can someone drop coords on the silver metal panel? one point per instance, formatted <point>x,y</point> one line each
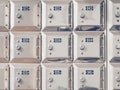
<point>25,46</point>
<point>88,76</point>
<point>25,13</point>
<point>114,76</point>
<point>56,46</point>
<point>56,13</point>
<point>4,14</point>
<point>24,76</point>
<point>4,46</point>
<point>88,45</point>
<point>116,49</point>
<point>114,14</point>
<point>88,14</point>
<point>4,76</point>
<point>56,76</point>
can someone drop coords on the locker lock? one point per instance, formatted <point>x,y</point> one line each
<point>50,16</point>
<point>117,14</point>
<point>118,79</point>
<point>19,80</point>
<point>50,80</point>
<point>82,47</point>
<point>18,48</point>
<point>117,46</point>
<point>19,15</point>
<point>50,47</point>
<point>82,79</point>
<point>82,15</point>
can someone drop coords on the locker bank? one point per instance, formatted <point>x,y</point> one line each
<point>59,44</point>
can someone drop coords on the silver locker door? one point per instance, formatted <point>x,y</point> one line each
<point>114,14</point>
<point>4,76</point>
<point>114,76</point>
<point>25,46</point>
<point>24,76</point>
<point>4,14</point>
<point>4,46</point>
<point>56,76</point>
<point>88,14</point>
<point>25,13</point>
<point>56,46</point>
<point>56,13</point>
<point>88,76</point>
<point>88,46</point>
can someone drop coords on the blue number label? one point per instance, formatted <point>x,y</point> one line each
<point>89,8</point>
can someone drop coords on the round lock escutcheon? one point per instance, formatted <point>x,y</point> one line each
<point>82,80</point>
<point>117,46</point>
<point>50,47</point>
<point>18,15</point>
<point>82,47</point>
<point>19,80</point>
<point>18,48</point>
<point>82,15</point>
<point>50,16</point>
<point>117,14</point>
<point>50,80</point>
<point>118,79</point>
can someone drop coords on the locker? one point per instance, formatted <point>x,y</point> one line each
<point>56,46</point>
<point>114,14</point>
<point>25,13</point>
<point>4,14</point>
<point>4,79</point>
<point>56,13</point>
<point>115,50</point>
<point>113,78</point>
<point>88,76</point>
<point>88,46</point>
<point>24,76</point>
<point>25,47</point>
<point>88,14</point>
<point>56,76</point>
<point>4,46</point>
